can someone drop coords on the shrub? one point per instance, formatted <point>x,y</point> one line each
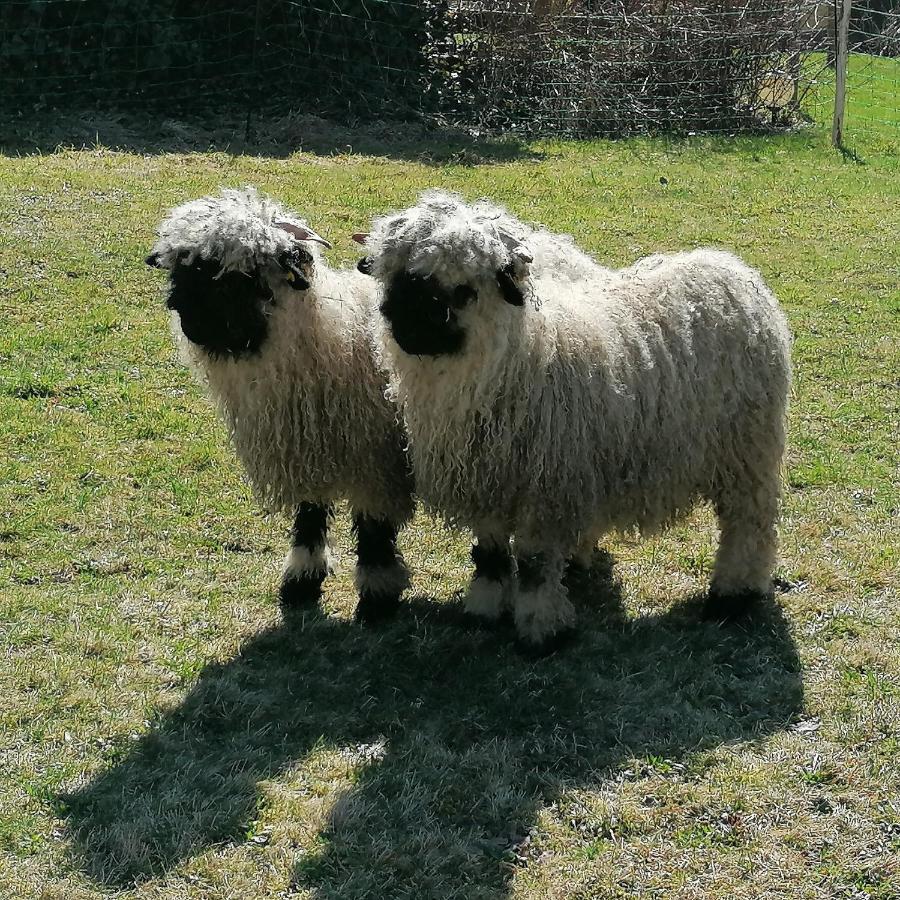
<point>582,67</point>
<point>590,67</point>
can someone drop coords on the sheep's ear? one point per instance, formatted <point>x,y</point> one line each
<point>301,233</point>
<point>512,293</point>
<point>296,279</point>
<point>153,261</point>
<point>522,254</point>
<point>289,262</point>
<point>366,265</point>
<point>361,237</point>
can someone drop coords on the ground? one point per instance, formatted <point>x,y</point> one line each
<point>167,735</point>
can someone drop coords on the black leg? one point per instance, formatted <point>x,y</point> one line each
<point>381,574</point>
<point>486,596</point>
<point>731,607</point>
<point>492,561</point>
<point>308,562</point>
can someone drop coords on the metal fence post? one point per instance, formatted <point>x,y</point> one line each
<point>842,54</point>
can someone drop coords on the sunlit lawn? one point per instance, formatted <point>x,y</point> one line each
<point>166,734</point>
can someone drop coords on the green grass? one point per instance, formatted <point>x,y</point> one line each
<point>166,735</point>
<point>872,115</point>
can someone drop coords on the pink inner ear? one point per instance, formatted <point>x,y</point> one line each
<point>360,237</point>
<point>302,234</point>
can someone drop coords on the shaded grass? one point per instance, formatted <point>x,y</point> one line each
<point>168,736</point>
<point>447,771</point>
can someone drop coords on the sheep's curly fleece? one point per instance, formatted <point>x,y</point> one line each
<point>236,228</point>
<point>459,242</point>
<point>612,400</point>
<point>307,416</point>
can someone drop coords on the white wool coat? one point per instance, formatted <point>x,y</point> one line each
<point>611,400</point>
<point>307,415</point>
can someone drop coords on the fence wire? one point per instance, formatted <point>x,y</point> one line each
<point>566,67</point>
<point>873,80</point>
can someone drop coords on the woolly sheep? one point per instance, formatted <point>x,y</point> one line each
<point>283,346</point>
<point>552,400</point>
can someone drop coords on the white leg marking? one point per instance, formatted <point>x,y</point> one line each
<point>487,598</point>
<point>748,544</point>
<point>543,612</point>
<point>383,579</point>
<point>302,561</point>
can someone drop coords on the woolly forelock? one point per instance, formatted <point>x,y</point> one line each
<point>236,228</point>
<point>458,243</point>
<point>445,237</point>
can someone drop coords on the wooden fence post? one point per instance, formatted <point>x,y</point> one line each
<point>842,55</point>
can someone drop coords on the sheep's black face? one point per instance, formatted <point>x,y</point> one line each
<point>223,315</point>
<point>423,315</point>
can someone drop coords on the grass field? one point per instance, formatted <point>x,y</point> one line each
<point>872,117</point>
<point>166,735</point>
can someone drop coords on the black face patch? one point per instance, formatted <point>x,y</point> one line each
<point>223,315</point>
<point>422,315</point>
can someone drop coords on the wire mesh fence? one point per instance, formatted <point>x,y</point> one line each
<point>129,53</point>
<point>566,67</point>
<point>874,70</point>
<point>590,68</point>
<point>872,111</point>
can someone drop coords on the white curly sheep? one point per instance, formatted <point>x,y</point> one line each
<point>283,345</point>
<point>550,399</point>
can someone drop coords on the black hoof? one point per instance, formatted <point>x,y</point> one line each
<point>592,583</point>
<point>730,607</point>
<point>299,592</point>
<point>785,586</point>
<point>539,650</point>
<point>576,573</point>
<point>373,609</point>
<point>486,623</point>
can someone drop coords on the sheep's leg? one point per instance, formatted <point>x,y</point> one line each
<point>578,565</point>
<point>543,612</point>
<point>489,592</point>
<point>310,559</point>
<point>584,552</point>
<point>381,574</point>
<point>748,547</point>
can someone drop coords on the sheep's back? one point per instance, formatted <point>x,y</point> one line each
<point>624,398</point>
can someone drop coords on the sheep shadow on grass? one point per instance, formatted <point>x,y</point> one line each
<point>460,742</point>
